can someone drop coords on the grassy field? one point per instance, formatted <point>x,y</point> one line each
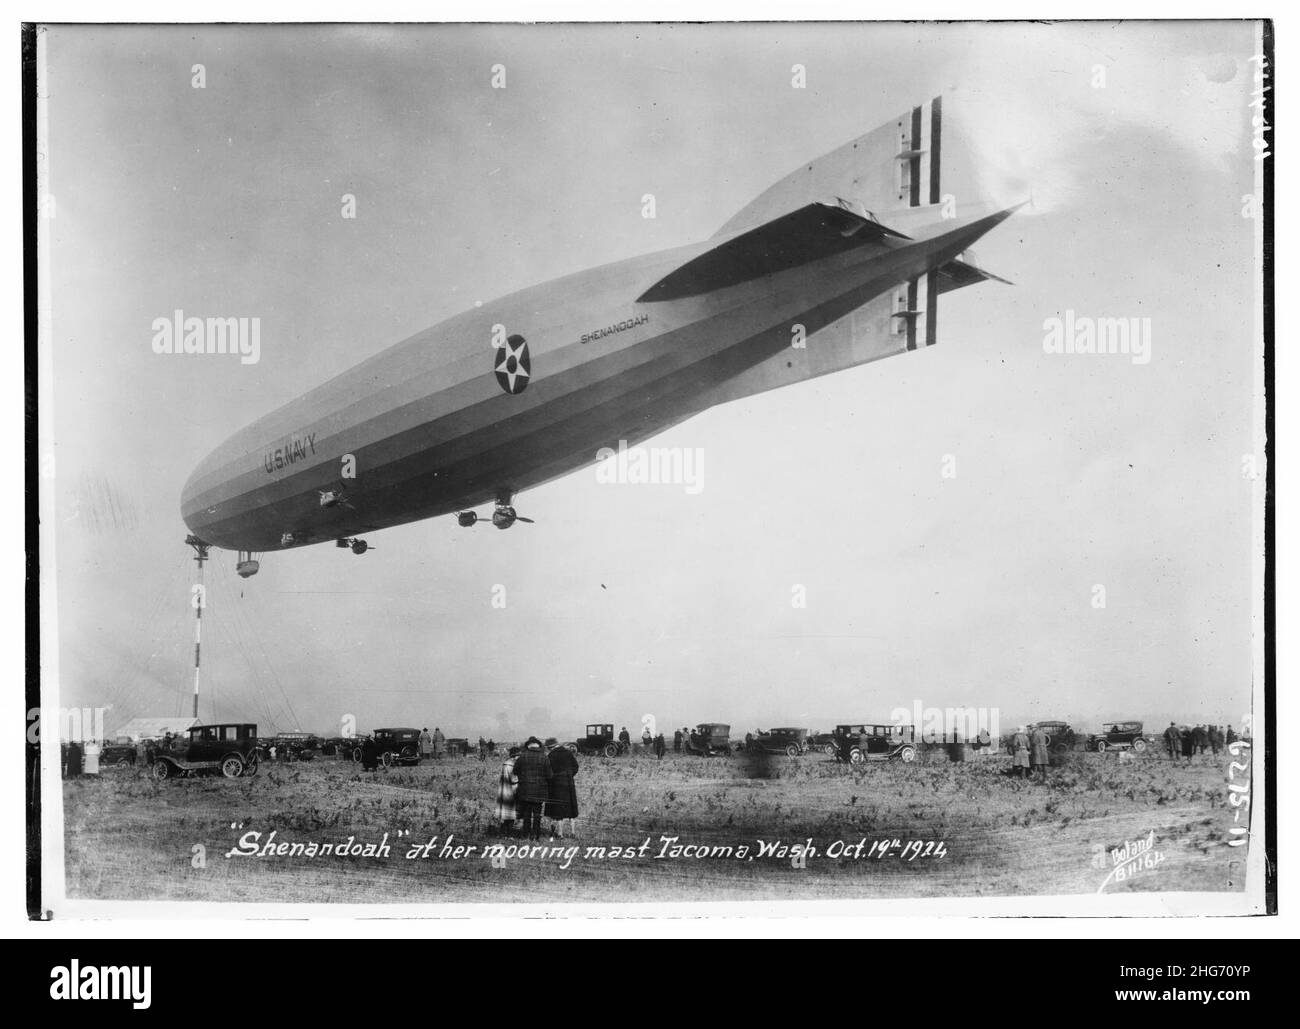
<point>130,838</point>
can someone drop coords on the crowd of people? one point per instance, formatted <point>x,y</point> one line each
<point>1186,741</point>
<point>536,784</point>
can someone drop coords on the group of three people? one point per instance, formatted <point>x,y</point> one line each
<point>537,782</point>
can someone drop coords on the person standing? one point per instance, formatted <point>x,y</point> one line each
<point>1172,741</point>
<point>677,741</point>
<point>506,811</point>
<point>1188,742</point>
<point>1020,753</point>
<point>369,754</point>
<point>1216,739</point>
<point>1038,756</point>
<point>660,746</point>
<point>426,744</point>
<point>1200,739</point>
<point>439,742</point>
<point>645,737</point>
<point>534,774</point>
<point>562,799</point>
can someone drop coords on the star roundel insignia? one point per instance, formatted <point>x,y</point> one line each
<point>513,365</point>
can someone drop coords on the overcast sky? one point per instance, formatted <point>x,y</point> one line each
<point>625,600</point>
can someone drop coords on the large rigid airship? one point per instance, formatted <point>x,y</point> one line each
<point>840,263</point>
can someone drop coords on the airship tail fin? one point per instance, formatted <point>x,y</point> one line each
<point>948,151</point>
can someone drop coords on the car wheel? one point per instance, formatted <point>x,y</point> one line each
<point>1101,746</point>
<point>1139,746</point>
<point>907,754</point>
<point>572,748</point>
<point>611,750</point>
<point>161,770</point>
<point>792,750</point>
<point>232,767</point>
<point>856,757</point>
<point>124,761</point>
<point>829,750</point>
<point>356,755</point>
<point>388,759</point>
<point>251,766</point>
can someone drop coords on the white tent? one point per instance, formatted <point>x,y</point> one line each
<point>153,728</point>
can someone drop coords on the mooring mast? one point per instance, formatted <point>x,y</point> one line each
<point>200,598</point>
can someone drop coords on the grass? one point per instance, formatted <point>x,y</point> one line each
<point>131,838</point>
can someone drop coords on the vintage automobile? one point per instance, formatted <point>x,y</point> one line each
<point>397,746</point>
<point>600,739</point>
<point>1060,737</point>
<point>1119,736</point>
<point>120,752</point>
<point>349,747</point>
<point>290,746</point>
<point>228,748</point>
<point>790,742</point>
<point>825,742</point>
<point>458,746</point>
<point>709,738</point>
<point>876,742</point>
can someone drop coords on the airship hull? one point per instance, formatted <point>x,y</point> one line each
<point>532,386</point>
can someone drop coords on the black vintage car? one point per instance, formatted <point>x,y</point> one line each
<point>228,748</point>
<point>1119,736</point>
<point>790,742</point>
<point>119,752</point>
<point>867,741</point>
<point>600,739</point>
<point>297,746</point>
<point>709,738</point>
<point>1060,737</point>
<point>398,746</point>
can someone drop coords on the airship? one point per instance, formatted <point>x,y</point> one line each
<point>839,263</point>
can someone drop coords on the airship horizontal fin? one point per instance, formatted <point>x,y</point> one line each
<point>958,273</point>
<point>815,231</point>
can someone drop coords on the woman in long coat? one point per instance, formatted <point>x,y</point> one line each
<point>562,805</point>
<point>1038,755</point>
<point>1020,753</point>
<point>505,811</point>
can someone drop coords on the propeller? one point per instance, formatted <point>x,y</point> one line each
<point>503,517</point>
